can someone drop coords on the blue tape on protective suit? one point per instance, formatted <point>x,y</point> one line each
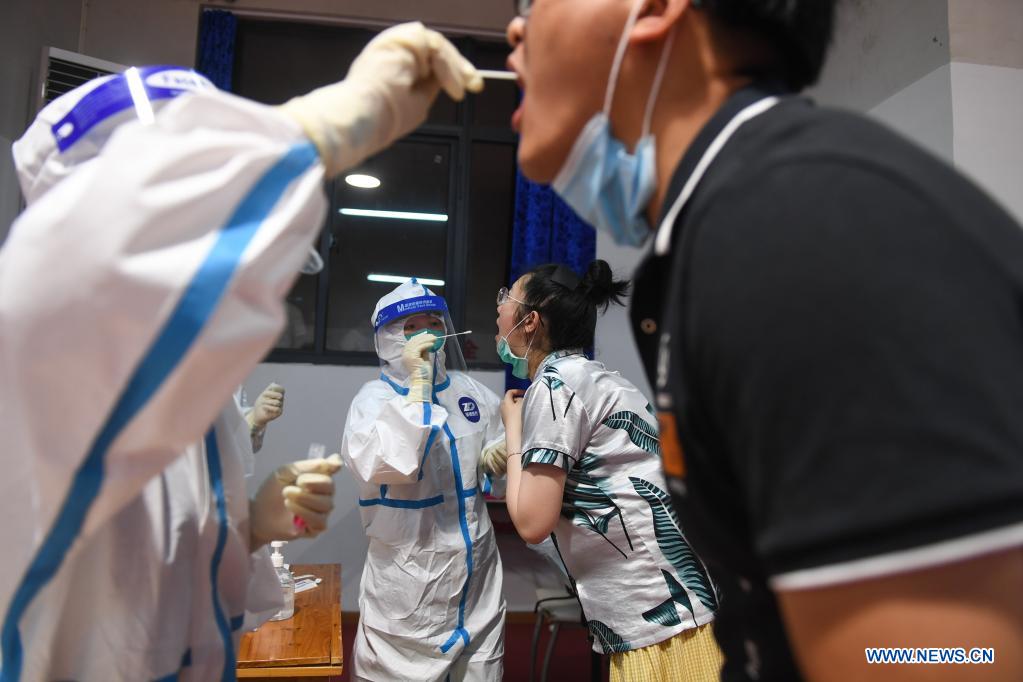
<point>460,631</point>
<point>216,480</point>
<point>402,504</point>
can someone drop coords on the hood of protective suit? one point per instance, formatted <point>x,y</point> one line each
<point>408,298</point>
<point>74,127</point>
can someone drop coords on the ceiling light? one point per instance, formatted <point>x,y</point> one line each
<point>363,181</point>
<point>401,279</point>
<point>399,215</point>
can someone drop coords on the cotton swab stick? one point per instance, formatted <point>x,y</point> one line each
<point>494,74</point>
<point>455,334</point>
<point>316,451</point>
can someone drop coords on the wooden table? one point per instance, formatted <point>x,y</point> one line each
<point>307,645</point>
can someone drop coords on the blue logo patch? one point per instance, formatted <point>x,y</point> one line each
<point>469,409</point>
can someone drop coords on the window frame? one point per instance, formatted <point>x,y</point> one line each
<point>460,136</point>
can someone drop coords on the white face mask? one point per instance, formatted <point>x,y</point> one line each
<point>606,185</point>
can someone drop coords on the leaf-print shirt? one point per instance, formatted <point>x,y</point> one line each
<point>638,580</point>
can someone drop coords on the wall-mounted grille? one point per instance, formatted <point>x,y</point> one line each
<point>63,71</point>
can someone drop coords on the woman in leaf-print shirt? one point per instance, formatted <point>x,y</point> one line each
<point>584,468</point>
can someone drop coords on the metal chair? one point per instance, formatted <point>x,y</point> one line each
<point>557,607</point>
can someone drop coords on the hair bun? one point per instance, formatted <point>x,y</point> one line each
<point>600,287</point>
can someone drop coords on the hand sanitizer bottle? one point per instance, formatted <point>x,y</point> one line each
<point>287,582</point>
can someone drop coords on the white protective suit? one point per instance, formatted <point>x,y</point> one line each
<point>135,295</point>
<point>431,603</point>
<point>133,561</point>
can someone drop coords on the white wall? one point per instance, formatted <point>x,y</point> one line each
<point>986,32</point>
<point>880,47</point>
<point>922,111</point>
<point>614,343</point>
<point>987,102</point>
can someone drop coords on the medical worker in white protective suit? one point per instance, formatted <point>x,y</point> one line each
<point>209,556</point>
<point>135,295</point>
<point>431,606</point>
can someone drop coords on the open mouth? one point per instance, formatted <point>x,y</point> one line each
<point>516,118</point>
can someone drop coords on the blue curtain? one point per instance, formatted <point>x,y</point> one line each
<point>217,31</point>
<point>546,230</point>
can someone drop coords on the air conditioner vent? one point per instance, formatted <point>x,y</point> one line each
<point>63,71</point>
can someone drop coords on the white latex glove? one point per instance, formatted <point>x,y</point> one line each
<point>416,359</point>
<point>269,405</point>
<point>387,94</point>
<point>494,458</point>
<point>304,489</point>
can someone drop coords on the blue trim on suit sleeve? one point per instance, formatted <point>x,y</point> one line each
<point>398,388</point>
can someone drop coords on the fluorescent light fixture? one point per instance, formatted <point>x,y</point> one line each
<point>143,109</point>
<point>363,181</point>
<point>401,279</point>
<point>399,215</point>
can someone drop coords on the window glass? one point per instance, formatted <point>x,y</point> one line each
<point>492,192</point>
<point>384,234</point>
<point>494,106</point>
<point>429,172</point>
<point>277,60</point>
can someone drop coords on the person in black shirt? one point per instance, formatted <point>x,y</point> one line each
<point>832,320</point>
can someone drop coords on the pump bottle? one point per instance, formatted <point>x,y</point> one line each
<point>287,581</point>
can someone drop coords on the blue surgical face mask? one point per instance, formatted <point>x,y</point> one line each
<point>519,365</point>
<point>606,185</point>
<point>437,345</point>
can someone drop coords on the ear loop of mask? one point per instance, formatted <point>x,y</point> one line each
<point>529,346</point>
<point>616,67</point>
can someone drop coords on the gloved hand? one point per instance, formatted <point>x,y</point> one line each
<point>416,359</point>
<point>269,405</point>
<point>387,93</point>
<point>304,489</point>
<point>494,458</point>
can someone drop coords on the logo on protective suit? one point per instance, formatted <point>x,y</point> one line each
<point>470,410</point>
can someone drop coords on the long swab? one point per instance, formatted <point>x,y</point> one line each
<point>494,74</point>
<point>316,451</point>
